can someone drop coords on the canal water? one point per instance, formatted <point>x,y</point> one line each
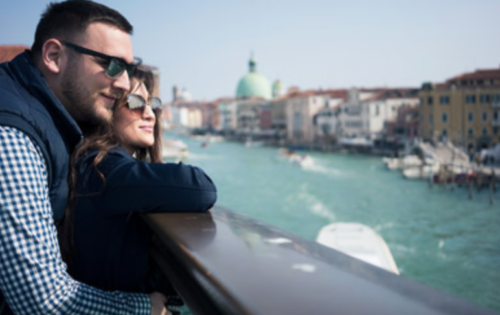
<point>437,235</point>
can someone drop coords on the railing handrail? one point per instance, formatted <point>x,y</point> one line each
<point>222,262</point>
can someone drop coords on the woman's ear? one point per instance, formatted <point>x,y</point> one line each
<point>53,55</point>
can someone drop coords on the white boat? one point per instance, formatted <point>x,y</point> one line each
<point>402,163</point>
<point>421,172</point>
<point>174,149</point>
<point>359,241</point>
<point>301,160</point>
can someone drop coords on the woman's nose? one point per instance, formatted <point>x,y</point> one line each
<point>148,113</point>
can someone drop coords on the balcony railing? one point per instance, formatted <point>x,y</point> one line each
<point>222,262</point>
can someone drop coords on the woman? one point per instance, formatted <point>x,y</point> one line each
<point>118,175</point>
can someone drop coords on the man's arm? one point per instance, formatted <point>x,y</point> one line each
<point>33,277</point>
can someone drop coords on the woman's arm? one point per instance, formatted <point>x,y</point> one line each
<point>137,186</point>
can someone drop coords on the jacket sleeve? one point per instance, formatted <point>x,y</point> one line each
<point>136,186</point>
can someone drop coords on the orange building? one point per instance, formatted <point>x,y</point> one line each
<point>465,109</point>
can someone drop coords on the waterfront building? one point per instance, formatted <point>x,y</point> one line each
<point>300,109</point>
<point>278,117</point>
<point>351,116</point>
<point>367,111</point>
<point>227,116</point>
<point>326,119</point>
<point>405,127</point>
<point>384,107</point>
<point>327,124</point>
<point>464,109</point>
<point>253,117</point>
<point>195,114</point>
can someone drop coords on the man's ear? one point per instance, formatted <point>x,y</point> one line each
<point>53,55</point>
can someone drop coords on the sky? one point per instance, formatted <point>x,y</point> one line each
<point>204,46</point>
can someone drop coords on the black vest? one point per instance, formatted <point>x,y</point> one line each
<point>28,104</point>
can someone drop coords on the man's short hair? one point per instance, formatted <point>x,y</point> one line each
<point>70,19</point>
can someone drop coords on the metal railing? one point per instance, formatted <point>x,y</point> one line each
<point>222,262</point>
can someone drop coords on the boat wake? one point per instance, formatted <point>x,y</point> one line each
<point>321,210</point>
<point>321,169</point>
<point>317,207</point>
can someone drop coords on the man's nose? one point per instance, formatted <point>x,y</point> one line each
<point>122,82</point>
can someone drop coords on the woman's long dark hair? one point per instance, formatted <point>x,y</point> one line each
<point>102,139</point>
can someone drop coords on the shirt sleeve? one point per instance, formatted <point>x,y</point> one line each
<point>33,277</point>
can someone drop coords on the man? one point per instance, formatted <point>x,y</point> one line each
<point>78,67</point>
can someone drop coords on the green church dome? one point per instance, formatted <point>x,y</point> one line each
<point>253,84</point>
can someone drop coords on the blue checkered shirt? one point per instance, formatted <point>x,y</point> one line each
<point>33,276</point>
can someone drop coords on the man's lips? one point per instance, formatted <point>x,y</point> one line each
<point>110,98</point>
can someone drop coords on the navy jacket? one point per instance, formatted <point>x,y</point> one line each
<point>27,103</point>
<point>111,242</point>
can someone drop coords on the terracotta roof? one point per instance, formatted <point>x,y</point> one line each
<point>448,86</point>
<point>8,52</point>
<point>342,93</point>
<point>481,74</point>
<point>225,99</point>
<point>394,93</point>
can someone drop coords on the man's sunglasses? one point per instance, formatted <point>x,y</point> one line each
<point>114,65</point>
<point>137,104</point>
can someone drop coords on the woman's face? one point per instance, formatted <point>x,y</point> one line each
<point>136,128</point>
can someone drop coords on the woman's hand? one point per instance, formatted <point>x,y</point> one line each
<point>158,301</point>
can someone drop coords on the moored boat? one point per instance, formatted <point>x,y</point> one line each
<point>359,241</point>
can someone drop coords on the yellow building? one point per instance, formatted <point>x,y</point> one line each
<point>465,109</point>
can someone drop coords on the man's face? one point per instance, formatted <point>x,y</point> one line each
<point>87,92</point>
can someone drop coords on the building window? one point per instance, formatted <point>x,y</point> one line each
<point>297,121</point>
<point>470,117</point>
<point>470,99</point>
<point>495,131</point>
<point>485,132</point>
<point>485,116</point>
<point>496,98</point>
<point>470,132</point>
<point>444,100</point>
<point>444,118</point>
<point>326,129</point>
<point>445,133</point>
<point>430,118</point>
<point>495,116</point>
<point>484,98</point>
<point>430,100</point>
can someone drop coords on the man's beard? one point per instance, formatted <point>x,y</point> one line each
<point>80,101</point>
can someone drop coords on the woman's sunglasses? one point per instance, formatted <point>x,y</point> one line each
<point>137,104</point>
<point>114,65</point>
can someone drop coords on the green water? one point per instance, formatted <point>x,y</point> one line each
<point>437,235</point>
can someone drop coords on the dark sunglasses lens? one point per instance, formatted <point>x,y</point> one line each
<point>131,70</point>
<point>136,103</point>
<point>115,67</point>
<point>155,103</point>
